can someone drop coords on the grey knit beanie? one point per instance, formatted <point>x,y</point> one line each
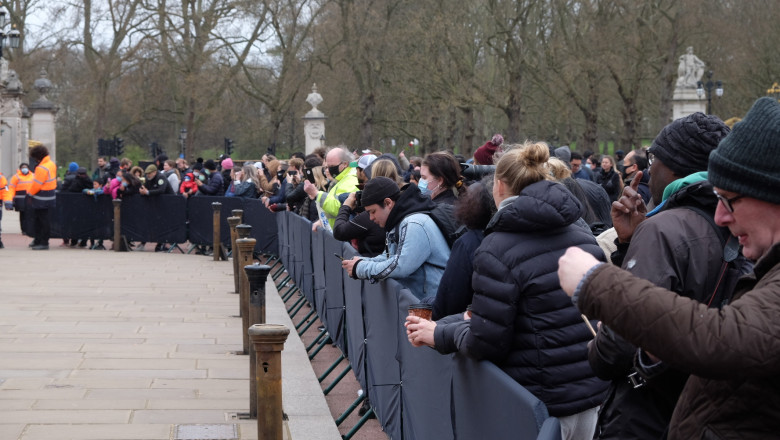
<point>747,161</point>
<point>685,144</point>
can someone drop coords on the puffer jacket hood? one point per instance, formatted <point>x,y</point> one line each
<point>541,206</point>
<point>410,201</point>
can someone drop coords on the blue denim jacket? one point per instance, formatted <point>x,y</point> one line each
<point>415,258</point>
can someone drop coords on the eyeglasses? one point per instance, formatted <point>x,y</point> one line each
<point>727,202</point>
<point>650,158</point>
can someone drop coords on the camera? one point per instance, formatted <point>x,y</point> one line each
<point>358,198</point>
<point>476,172</point>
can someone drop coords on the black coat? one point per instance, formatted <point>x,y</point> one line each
<point>455,290</point>
<point>157,185</point>
<point>369,235</point>
<point>521,319</point>
<point>611,183</point>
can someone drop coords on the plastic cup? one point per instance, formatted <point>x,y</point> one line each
<point>424,311</point>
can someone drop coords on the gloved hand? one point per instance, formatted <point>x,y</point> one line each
<point>9,206</point>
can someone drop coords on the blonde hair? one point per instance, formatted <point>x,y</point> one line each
<point>319,178</point>
<point>523,166</point>
<point>385,168</point>
<point>249,172</point>
<point>558,169</point>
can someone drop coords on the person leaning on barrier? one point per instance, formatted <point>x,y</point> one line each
<point>732,353</point>
<point>417,251</point>
<point>42,195</point>
<point>212,186</point>
<point>294,170</point>
<point>521,319</point>
<point>345,178</point>
<point>156,184</point>
<point>297,199</point>
<point>474,210</point>
<point>678,247</point>
<point>354,223</point>
<point>441,178</point>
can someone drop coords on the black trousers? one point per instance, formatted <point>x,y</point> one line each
<point>42,225</point>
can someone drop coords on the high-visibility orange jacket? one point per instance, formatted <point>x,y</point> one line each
<point>18,186</point>
<point>3,188</point>
<point>43,185</point>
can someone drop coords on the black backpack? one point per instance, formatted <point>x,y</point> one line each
<point>444,217</point>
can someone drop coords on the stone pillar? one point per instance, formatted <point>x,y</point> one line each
<point>13,133</point>
<point>314,122</point>
<point>44,117</point>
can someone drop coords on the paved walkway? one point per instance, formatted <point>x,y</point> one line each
<point>138,345</point>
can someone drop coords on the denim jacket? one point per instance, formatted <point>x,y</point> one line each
<point>415,257</point>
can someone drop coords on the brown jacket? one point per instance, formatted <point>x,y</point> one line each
<point>733,353</point>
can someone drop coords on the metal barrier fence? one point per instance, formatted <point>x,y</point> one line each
<point>416,393</point>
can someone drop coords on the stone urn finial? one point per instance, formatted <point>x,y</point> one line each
<point>43,85</point>
<point>314,99</point>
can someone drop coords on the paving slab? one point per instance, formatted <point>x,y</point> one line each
<point>103,345</point>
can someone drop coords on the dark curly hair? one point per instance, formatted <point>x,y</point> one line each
<point>475,208</point>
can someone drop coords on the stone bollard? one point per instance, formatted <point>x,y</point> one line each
<point>233,222</point>
<point>119,242</point>
<point>217,242</point>
<point>257,276</point>
<point>245,248</point>
<point>268,341</point>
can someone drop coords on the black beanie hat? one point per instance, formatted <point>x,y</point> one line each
<point>210,165</point>
<point>746,161</point>
<point>685,144</point>
<point>377,190</point>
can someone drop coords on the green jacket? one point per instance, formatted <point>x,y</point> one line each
<point>346,182</point>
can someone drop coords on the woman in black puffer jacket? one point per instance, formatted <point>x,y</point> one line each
<point>521,319</point>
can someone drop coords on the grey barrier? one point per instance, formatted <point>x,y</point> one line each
<point>416,393</point>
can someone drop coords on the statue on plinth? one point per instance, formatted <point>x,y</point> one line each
<point>690,70</point>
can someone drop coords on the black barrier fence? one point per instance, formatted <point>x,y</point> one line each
<point>416,393</point>
<point>166,218</point>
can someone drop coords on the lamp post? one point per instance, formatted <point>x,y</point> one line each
<point>13,36</point>
<point>183,141</point>
<point>703,89</point>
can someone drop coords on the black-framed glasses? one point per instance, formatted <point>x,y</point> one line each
<point>727,203</point>
<point>650,157</point>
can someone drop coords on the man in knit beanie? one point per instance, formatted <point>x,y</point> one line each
<point>676,247</point>
<point>731,351</point>
<point>484,154</point>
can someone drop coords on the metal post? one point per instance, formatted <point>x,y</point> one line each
<point>245,246</point>
<point>268,341</point>
<point>217,242</point>
<point>119,242</point>
<point>257,276</point>
<point>233,222</point>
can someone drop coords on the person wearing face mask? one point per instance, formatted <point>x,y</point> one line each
<point>441,179</point>
<point>18,186</point>
<point>337,164</point>
<point>211,185</point>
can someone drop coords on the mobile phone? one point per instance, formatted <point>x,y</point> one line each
<point>292,173</point>
<point>280,174</point>
<point>310,176</point>
<point>339,256</point>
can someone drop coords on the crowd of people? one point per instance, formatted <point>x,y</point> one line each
<point>670,253</point>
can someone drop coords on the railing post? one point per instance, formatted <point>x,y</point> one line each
<point>268,341</point>
<point>233,222</point>
<point>245,248</point>
<point>119,242</point>
<point>216,236</point>
<point>257,276</point>
<point>238,213</point>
